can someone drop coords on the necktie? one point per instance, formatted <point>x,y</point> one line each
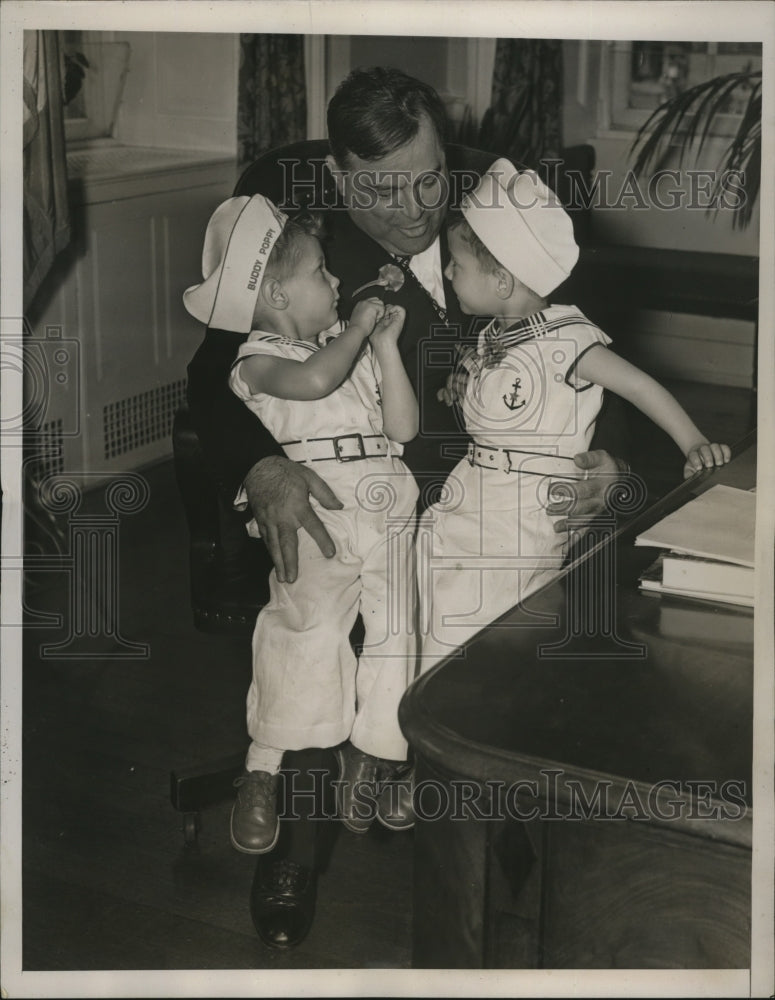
<point>403,263</point>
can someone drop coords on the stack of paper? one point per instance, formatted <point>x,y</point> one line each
<point>709,548</point>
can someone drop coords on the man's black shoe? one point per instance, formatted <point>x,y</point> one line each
<point>282,901</point>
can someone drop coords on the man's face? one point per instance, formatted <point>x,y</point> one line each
<point>399,200</point>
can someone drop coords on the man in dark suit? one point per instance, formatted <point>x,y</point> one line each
<point>394,181</point>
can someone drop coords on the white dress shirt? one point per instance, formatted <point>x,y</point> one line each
<point>426,266</point>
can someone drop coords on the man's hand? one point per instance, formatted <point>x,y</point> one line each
<point>602,470</point>
<point>278,494</point>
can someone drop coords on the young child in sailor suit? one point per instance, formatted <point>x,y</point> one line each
<point>341,402</point>
<point>529,394</point>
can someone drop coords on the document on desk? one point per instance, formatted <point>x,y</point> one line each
<point>719,525</point>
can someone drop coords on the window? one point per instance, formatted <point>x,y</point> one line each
<point>639,76</point>
<point>95,69</point>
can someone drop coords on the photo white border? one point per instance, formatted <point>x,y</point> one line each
<point>706,20</point>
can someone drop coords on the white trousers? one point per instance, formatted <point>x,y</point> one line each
<point>308,688</point>
<point>480,552</point>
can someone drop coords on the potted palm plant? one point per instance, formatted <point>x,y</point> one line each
<point>688,118</point>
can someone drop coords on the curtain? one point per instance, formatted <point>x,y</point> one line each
<point>524,120</point>
<point>272,101</point>
<point>45,210</point>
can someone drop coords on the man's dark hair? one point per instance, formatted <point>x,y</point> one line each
<point>376,111</point>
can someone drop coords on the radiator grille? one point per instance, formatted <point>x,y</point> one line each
<point>139,420</point>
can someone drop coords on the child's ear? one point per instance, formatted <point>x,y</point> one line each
<point>504,283</point>
<point>273,294</point>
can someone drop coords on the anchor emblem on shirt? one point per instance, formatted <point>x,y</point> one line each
<point>511,400</point>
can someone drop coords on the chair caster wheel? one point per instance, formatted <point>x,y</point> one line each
<point>190,828</point>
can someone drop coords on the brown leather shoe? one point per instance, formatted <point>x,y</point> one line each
<point>255,826</point>
<point>282,902</point>
<point>357,788</point>
<point>395,804</point>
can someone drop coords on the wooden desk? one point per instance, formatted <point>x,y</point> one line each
<point>646,704</point>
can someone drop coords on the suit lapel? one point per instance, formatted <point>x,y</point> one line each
<point>352,256</point>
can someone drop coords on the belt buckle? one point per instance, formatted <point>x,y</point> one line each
<point>349,458</point>
<point>471,453</point>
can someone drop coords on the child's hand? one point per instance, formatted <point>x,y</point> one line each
<point>367,313</point>
<point>389,326</point>
<point>705,456</point>
<point>455,387</point>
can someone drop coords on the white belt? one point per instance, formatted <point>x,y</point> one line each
<point>344,448</point>
<point>514,460</point>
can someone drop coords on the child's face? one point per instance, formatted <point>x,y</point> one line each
<point>474,288</point>
<point>312,291</point>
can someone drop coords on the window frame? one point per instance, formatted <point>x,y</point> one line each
<point>616,115</point>
<point>98,124</point>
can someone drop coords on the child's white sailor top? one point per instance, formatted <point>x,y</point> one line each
<point>331,434</point>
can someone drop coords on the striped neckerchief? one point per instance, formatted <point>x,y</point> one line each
<point>494,343</point>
